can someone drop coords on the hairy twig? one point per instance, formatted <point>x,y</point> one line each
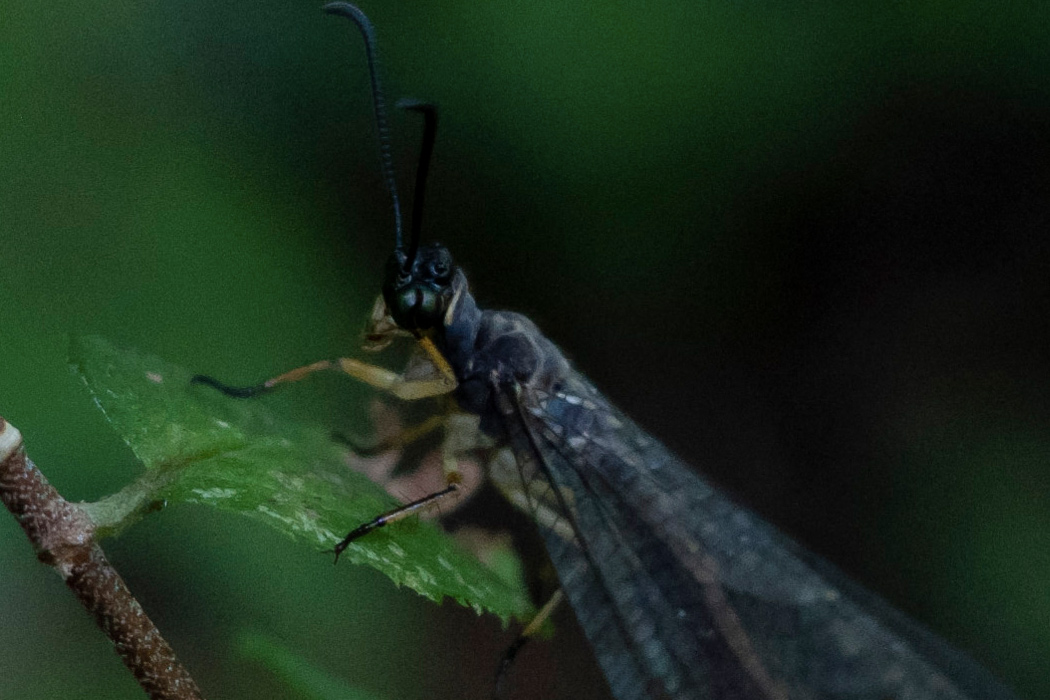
<point>63,536</point>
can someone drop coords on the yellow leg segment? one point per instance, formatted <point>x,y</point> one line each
<point>394,383</point>
<point>439,379</point>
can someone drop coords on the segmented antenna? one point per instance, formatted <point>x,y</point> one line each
<point>354,13</point>
<point>429,112</point>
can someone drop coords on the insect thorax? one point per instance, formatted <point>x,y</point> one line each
<point>495,350</point>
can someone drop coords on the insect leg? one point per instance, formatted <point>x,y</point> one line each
<point>530,631</point>
<point>396,384</point>
<point>246,392</point>
<point>441,381</point>
<point>462,436</point>
<point>404,437</point>
<point>393,516</point>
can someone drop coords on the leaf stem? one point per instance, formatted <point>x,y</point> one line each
<point>117,511</point>
<point>63,536</point>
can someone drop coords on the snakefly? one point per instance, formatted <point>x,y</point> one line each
<point>682,594</point>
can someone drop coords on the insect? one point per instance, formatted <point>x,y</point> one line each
<point>682,594</point>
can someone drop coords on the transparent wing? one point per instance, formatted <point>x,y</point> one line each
<point>684,594</point>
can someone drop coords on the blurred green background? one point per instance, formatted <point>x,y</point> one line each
<point>804,244</point>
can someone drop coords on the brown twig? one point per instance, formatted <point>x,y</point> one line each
<point>63,537</point>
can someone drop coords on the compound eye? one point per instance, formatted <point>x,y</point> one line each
<point>439,269</point>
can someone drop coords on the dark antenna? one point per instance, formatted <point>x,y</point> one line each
<point>429,112</point>
<point>354,13</point>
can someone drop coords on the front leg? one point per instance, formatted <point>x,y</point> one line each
<point>436,379</point>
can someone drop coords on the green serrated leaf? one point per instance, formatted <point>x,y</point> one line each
<point>201,447</point>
